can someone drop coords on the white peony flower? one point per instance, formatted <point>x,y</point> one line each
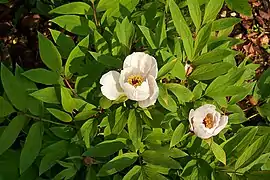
<point>206,122</point>
<point>137,80</point>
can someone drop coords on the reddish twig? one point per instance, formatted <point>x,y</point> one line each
<point>95,13</point>
<point>69,86</point>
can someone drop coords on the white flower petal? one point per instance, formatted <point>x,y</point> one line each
<point>153,93</point>
<point>154,68</point>
<point>201,132</point>
<point>190,118</point>
<point>202,111</point>
<point>146,63</point>
<point>111,77</point>
<point>222,124</point>
<point>138,93</point>
<point>111,87</point>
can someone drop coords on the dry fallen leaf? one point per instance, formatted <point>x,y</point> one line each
<point>264,40</point>
<point>265,15</point>
<point>255,3</point>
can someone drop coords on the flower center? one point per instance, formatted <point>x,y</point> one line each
<point>135,80</point>
<point>208,121</point>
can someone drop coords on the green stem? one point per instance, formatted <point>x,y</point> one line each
<point>254,115</point>
<point>46,120</point>
<point>233,172</point>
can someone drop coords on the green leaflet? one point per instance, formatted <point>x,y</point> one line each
<point>53,59</point>
<point>117,164</point>
<point>32,146</point>
<point>79,8</point>
<point>182,28</point>
<point>11,132</point>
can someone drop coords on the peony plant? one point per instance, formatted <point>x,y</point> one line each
<point>135,89</point>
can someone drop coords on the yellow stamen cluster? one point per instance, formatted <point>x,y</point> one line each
<point>135,80</point>
<point>209,121</point>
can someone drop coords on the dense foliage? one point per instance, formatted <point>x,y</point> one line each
<point>55,122</point>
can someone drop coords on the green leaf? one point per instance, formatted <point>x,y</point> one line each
<point>105,4</point>
<point>61,115</point>
<point>47,95</point>
<point>198,90</point>
<point>182,28</point>
<point>78,54</point>
<point>88,130</point>
<point>225,23</point>
<point>65,44</point>
<point>6,108</point>
<point>241,6</point>
<point>220,84</point>
<point>149,172</point>
<point>117,164</point>
<point>87,112</point>
<point>252,152</point>
<point>248,89</point>
<point>9,165</point>
<point>231,91</point>
<point>101,44</point>
<point>195,12</point>
<point>165,69</point>
<point>218,152</point>
<point>236,145</point>
<point>178,134</point>
<point>120,123</point>
<point>79,8</point>
<point>33,105</point>
<point>11,132</point>
<point>165,99</point>
<point>66,174</point>
<point>31,146</point>
<point>64,132</point>
<point>12,88</point>
<point>149,36</point>
<point>213,56</point>
<point>259,162</point>
<point>135,129</point>
<point>161,36</point>
<point>106,60</point>
<point>67,101</point>
<point>23,81</point>
<point>120,8</point>
<point>53,153</point>
<point>211,10</point>
<point>178,70</point>
<point>255,175</point>
<point>106,148</point>
<point>133,174</point>
<point>42,76</point>
<point>91,174</point>
<point>30,174</point>
<point>197,168</point>
<point>52,59</point>
<point>264,110</point>
<point>160,159</point>
<point>125,34</point>
<point>263,84</point>
<point>75,24</point>
<point>210,71</point>
<point>202,38</point>
<point>182,93</point>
